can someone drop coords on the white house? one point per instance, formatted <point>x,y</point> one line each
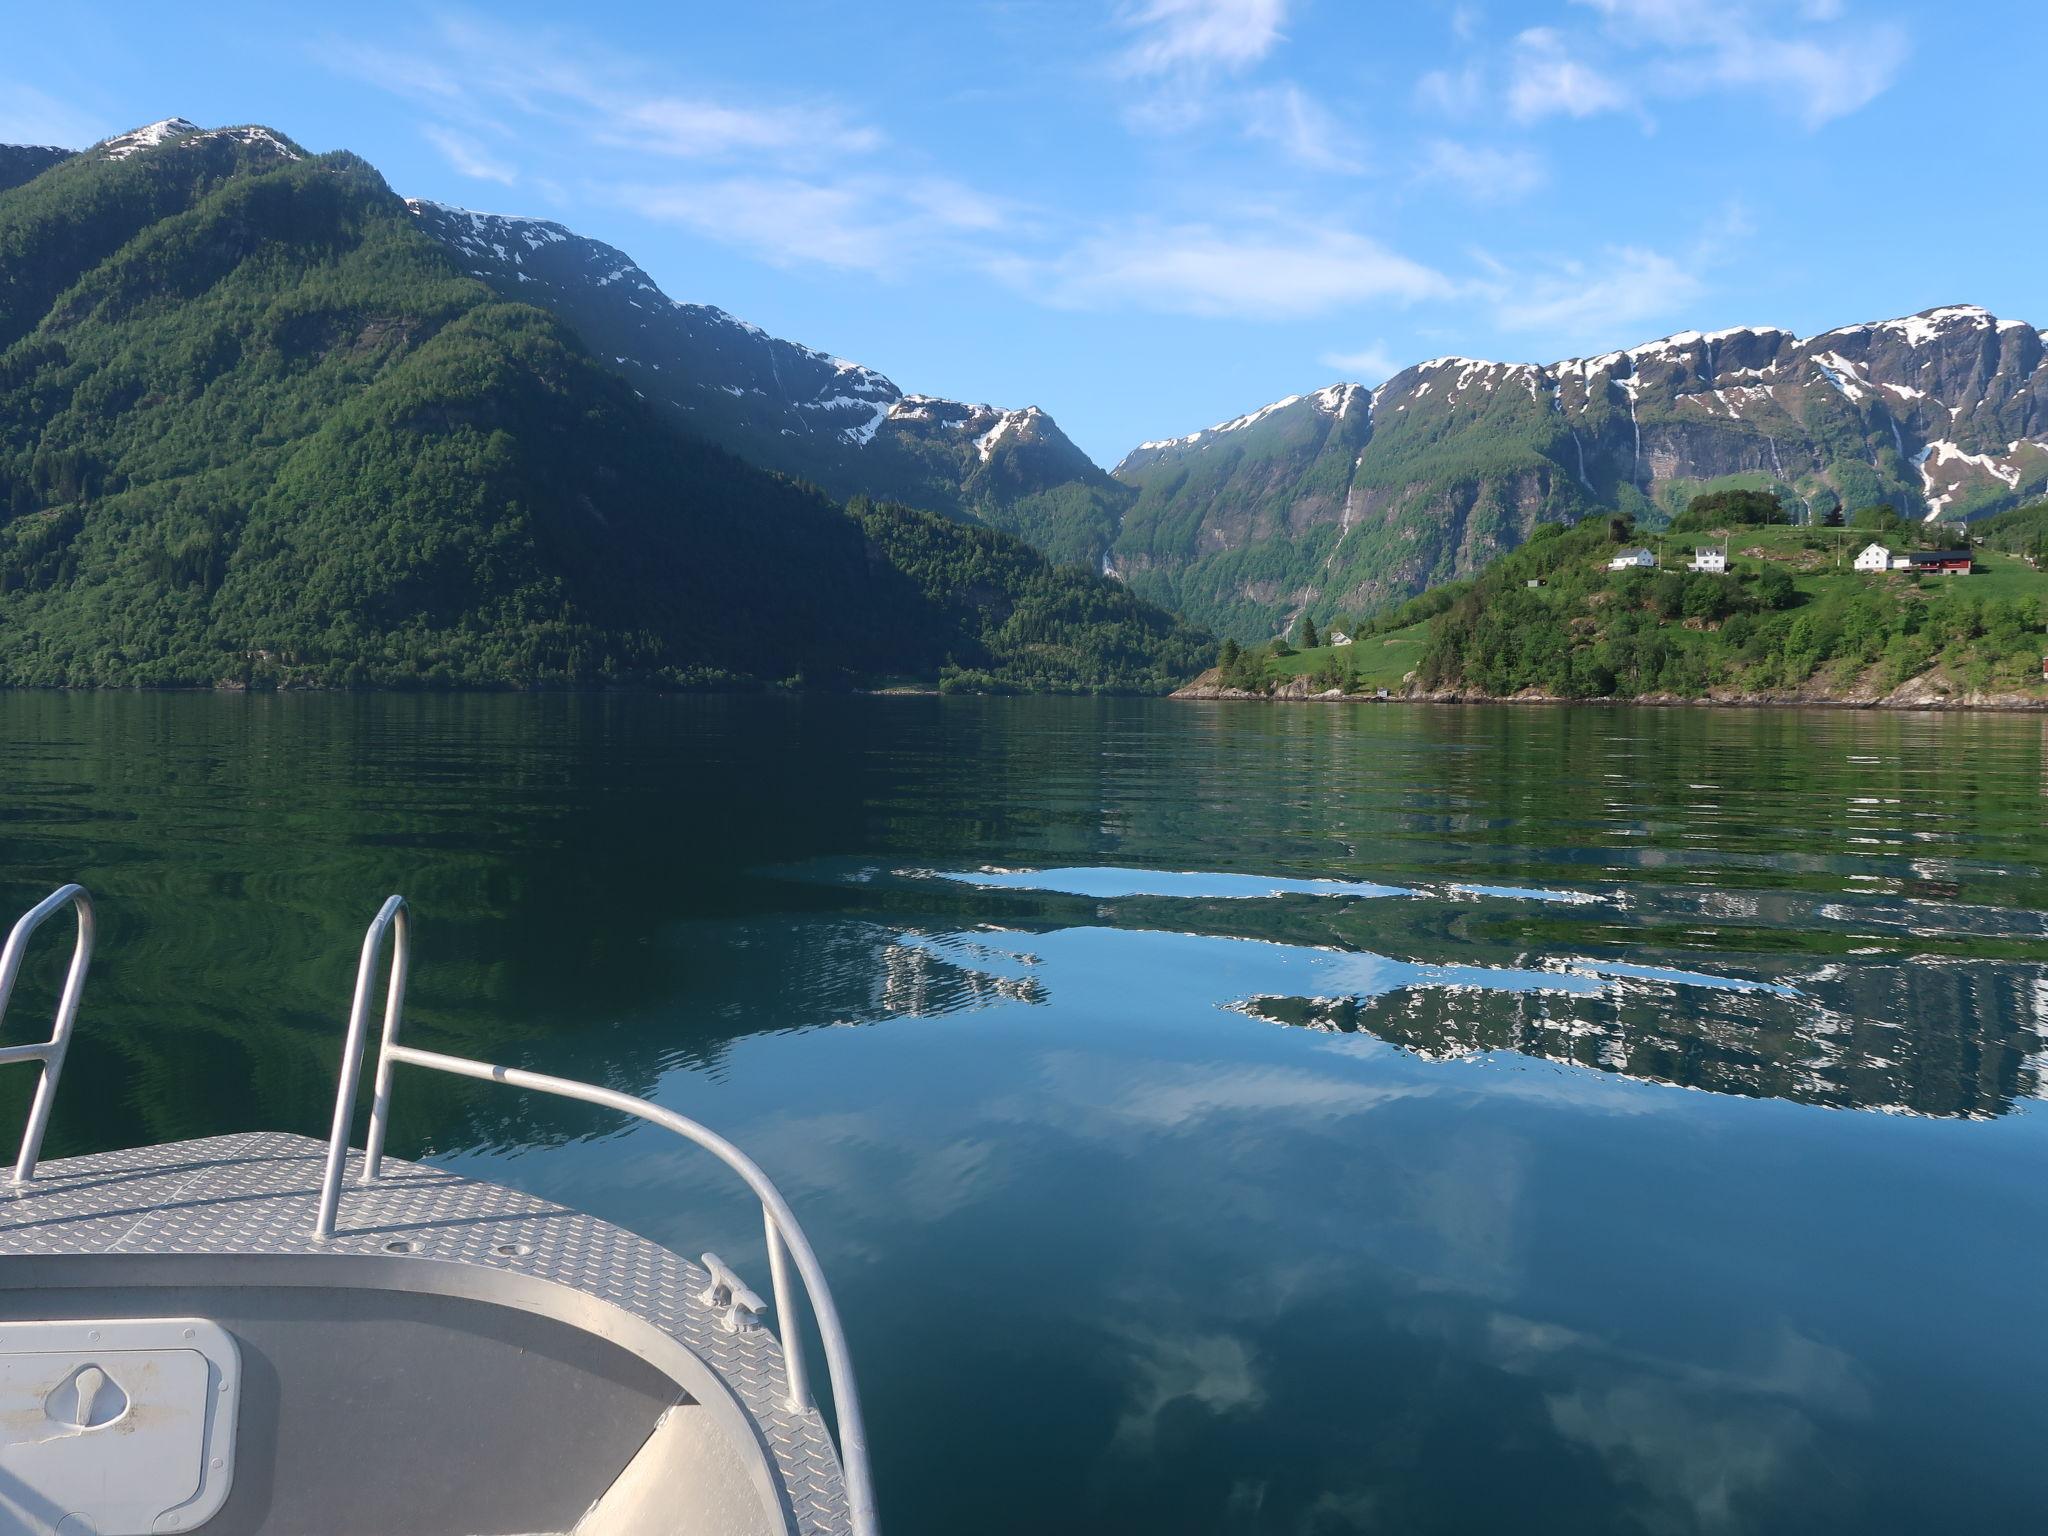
<point>1633,560</point>
<point>1875,557</point>
<point>1338,637</point>
<point>1708,558</point>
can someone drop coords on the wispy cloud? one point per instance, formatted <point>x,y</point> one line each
<point>1266,268</point>
<point>32,116</point>
<point>1199,36</point>
<point>1180,72</point>
<point>880,225</point>
<point>1371,365</point>
<point>1588,302</point>
<point>1545,80</point>
<point>1481,172</point>
<point>462,152</point>
<point>694,129</point>
<point>1805,57</point>
<point>476,76</point>
<point>794,181</point>
<point>1623,286</point>
<point>1823,71</point>
<point>1306,131</point>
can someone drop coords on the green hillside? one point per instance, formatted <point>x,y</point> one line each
<point>256,428</point>
<point>1791,617</point>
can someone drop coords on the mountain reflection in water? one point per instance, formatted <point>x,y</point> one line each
<point>1861,1037</point>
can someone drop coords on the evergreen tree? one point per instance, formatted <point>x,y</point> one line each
<point>1309,639</point>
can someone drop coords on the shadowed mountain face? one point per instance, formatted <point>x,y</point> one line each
<point>23,162</point>
<point>1347,498</point>
<point>258,428</point>
<point>789,407</point>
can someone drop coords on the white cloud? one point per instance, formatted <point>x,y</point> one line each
<point>1273,269</point>
<point>691,128</point>
<point>1308,132</point>
<point>463,153</point>
<point>1802,55</point>
<point>1483,173</point>
<point>475,76</point>
<point>1198,36</point>
<point>1826,80</point>
<point>795,181</point>
<point>1793,49</point>
<point>1578,301</point>
<point>1545,80</point>
<point>1371,365</point>
<point>1453,92</point>
<point>32,116</point>
<point>882,225</point>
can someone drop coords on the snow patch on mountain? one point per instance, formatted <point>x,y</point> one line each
<point>122,145</point>
<point>1929,324</point>
<point>188,133</point>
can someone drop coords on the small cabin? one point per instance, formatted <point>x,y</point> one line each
<point>1633,560</point>
<point>1875,557</point>
<point>1710,559</point>
<point>1338,637</point>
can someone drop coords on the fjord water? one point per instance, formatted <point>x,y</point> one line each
<point>1226,1118</point>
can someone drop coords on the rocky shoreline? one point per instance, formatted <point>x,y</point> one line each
<point>1926,693</point>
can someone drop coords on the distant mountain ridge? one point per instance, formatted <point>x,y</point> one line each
<point>1346,498</point>
<point>1337,501</point>
<point>786,406</point>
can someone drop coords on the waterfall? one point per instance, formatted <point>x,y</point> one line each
<point>1635,473</point>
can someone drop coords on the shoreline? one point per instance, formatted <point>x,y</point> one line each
<point>2011,704</point>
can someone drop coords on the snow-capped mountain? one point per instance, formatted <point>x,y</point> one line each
<point>790,407</point>
<point>1340,499</point>
<point>189,133</point>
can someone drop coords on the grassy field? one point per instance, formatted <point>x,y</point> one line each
<point>1379,662</point>
<point>1832,568</point>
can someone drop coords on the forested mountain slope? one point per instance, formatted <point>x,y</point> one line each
<point>255,425</point>
<point>789,407</point>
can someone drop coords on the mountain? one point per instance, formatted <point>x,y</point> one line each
<point>786,407</point>
<point>257,427</point>
<point>1342,500</point>
<point>24,162</point>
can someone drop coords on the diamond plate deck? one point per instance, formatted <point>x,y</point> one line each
<point>256,1194</point>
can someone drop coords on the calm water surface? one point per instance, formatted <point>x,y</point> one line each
<point>1212,1118</point>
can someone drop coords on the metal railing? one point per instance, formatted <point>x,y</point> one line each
<point>786,1241</point>
<point>49,1052</point>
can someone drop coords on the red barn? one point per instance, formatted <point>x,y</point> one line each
<point>1945,562</point>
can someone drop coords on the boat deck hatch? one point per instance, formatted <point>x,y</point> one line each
<point>116,1427</point>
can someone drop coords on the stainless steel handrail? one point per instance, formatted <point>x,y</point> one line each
<point>49,1052</point>
<point>786,1240</point>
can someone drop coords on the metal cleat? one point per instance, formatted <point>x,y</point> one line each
<point>743,1308</point>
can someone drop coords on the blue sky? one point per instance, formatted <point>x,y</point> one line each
<point>1150,215</point>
